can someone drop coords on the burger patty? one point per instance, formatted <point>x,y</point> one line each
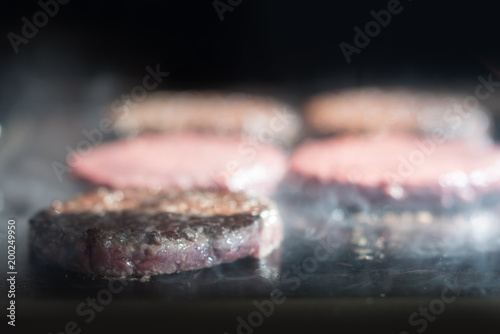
<point>210,112</point>
<point>140,233</point>
<point>371,110</point>
<point>406,171</point>
<point>184,161</point>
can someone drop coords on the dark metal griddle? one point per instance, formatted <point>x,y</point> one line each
<point>382,267</point>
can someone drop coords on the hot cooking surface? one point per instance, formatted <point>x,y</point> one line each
<point>363,256</point>
<point>359,258</point>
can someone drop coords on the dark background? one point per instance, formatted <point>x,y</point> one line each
<point>274,42</point>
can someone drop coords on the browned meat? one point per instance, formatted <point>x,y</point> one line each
<point>137,232</point>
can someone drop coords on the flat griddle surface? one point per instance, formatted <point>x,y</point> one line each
<point>379,270</point>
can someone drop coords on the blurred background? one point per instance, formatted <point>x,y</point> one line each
<point>289,47</point>
<point>292,43</point>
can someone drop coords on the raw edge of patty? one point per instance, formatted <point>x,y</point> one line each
<point>346,172</point>
<point>154,234</point>
<point>184,161</point>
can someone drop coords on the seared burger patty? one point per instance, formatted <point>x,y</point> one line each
<point>140,233</point>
